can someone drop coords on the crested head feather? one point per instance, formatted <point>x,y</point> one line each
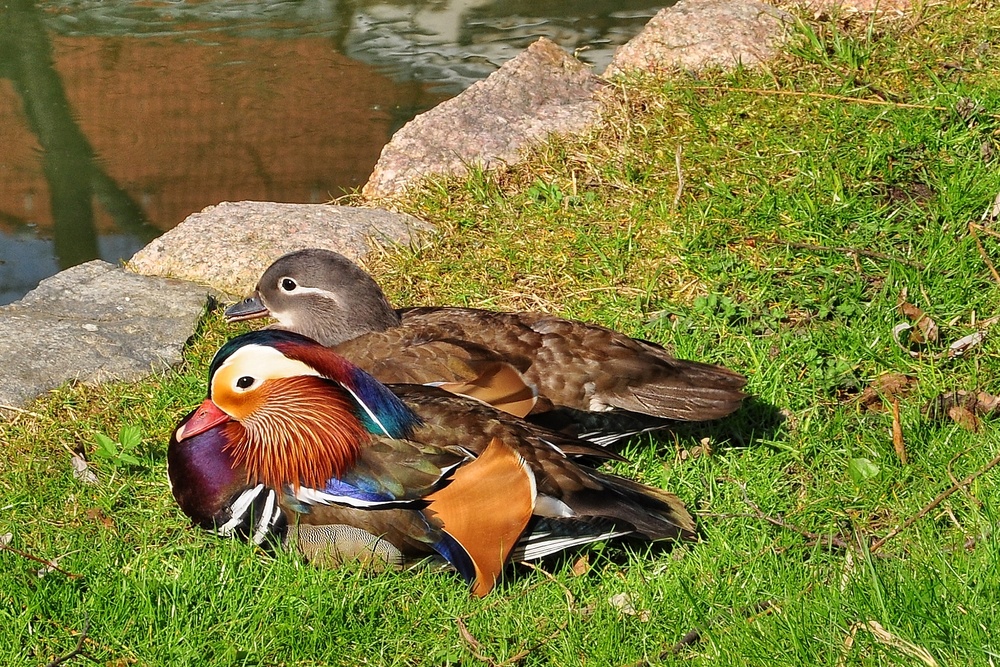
<point>379,409</point>
<point>265,337</point>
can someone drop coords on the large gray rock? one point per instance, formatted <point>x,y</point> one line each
<point>542,91</point>
<point>94,322</point>
<point>695,34</point>
<point>229,245</point>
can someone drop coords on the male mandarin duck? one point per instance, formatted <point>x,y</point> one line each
<point>529,364</point>
<point>392,474</point>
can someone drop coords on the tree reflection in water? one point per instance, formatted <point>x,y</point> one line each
<point>73,176</point>
<point>231,99</point>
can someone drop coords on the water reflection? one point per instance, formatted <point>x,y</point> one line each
<point>453,44</point>
<point>118,120</point>
<point>450,43</point>
<point>74,179</point>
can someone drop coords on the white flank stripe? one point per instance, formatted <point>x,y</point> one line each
<point>238,509</point>
<point>265,519</point>
<point>539,545</point>
<point>603,439</point>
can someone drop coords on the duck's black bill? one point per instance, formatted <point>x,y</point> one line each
<point>247,309</point>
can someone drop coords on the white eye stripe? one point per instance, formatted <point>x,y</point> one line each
<point>259,362</point>
<point>302,289</point>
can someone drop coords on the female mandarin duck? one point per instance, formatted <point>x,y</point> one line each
<point>524,363</point>
<point>397,475</point>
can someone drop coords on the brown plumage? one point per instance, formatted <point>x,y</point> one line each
<point>565,364</point>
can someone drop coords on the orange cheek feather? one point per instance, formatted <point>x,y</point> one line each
<point>295,431</point>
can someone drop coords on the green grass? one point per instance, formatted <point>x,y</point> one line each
<point>734,273</point>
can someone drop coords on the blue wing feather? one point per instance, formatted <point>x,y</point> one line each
<point>335,486</point>
<point>381,410</point>
<point>339,493</point>
<point>455,553</point>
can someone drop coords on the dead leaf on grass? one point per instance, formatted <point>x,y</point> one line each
<point>963,407</point>
<point>964,417</point>
<point>703,448</point>
<point>924,329</point>
<point>98,515</point>
<point>966,343</point>
<point>886,387</point>
<point>82,471</point>
<point>52,566</point>
<point>581,566</point>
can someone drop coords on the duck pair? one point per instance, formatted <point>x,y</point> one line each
<point>295,438</point>
<point>561,373</point>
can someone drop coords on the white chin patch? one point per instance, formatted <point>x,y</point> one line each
<point>284,319</point>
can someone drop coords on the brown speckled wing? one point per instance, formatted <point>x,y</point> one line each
<point>588,367</point>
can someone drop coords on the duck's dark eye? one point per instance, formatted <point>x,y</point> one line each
<point>288,284</point>
<point>244,382</point>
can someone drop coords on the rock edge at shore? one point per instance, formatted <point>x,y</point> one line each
<point>97,322</point>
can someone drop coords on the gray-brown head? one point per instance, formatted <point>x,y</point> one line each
<point>318,293</point>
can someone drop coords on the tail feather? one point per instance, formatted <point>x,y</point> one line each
<point>673,388</point>
<point>647,512</point>
<point>679,403</point>
<point>601,428</point>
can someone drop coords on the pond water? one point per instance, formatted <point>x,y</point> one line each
<point>119,119</point>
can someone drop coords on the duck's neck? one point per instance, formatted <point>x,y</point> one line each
<point>202,475</point>
<point>375,406</point>
<point>334,323</point>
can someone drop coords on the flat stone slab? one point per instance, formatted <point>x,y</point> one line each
<point>93,323</point>
<point>695,34</point>
<point>542,91</point>
<point>229,245</point>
